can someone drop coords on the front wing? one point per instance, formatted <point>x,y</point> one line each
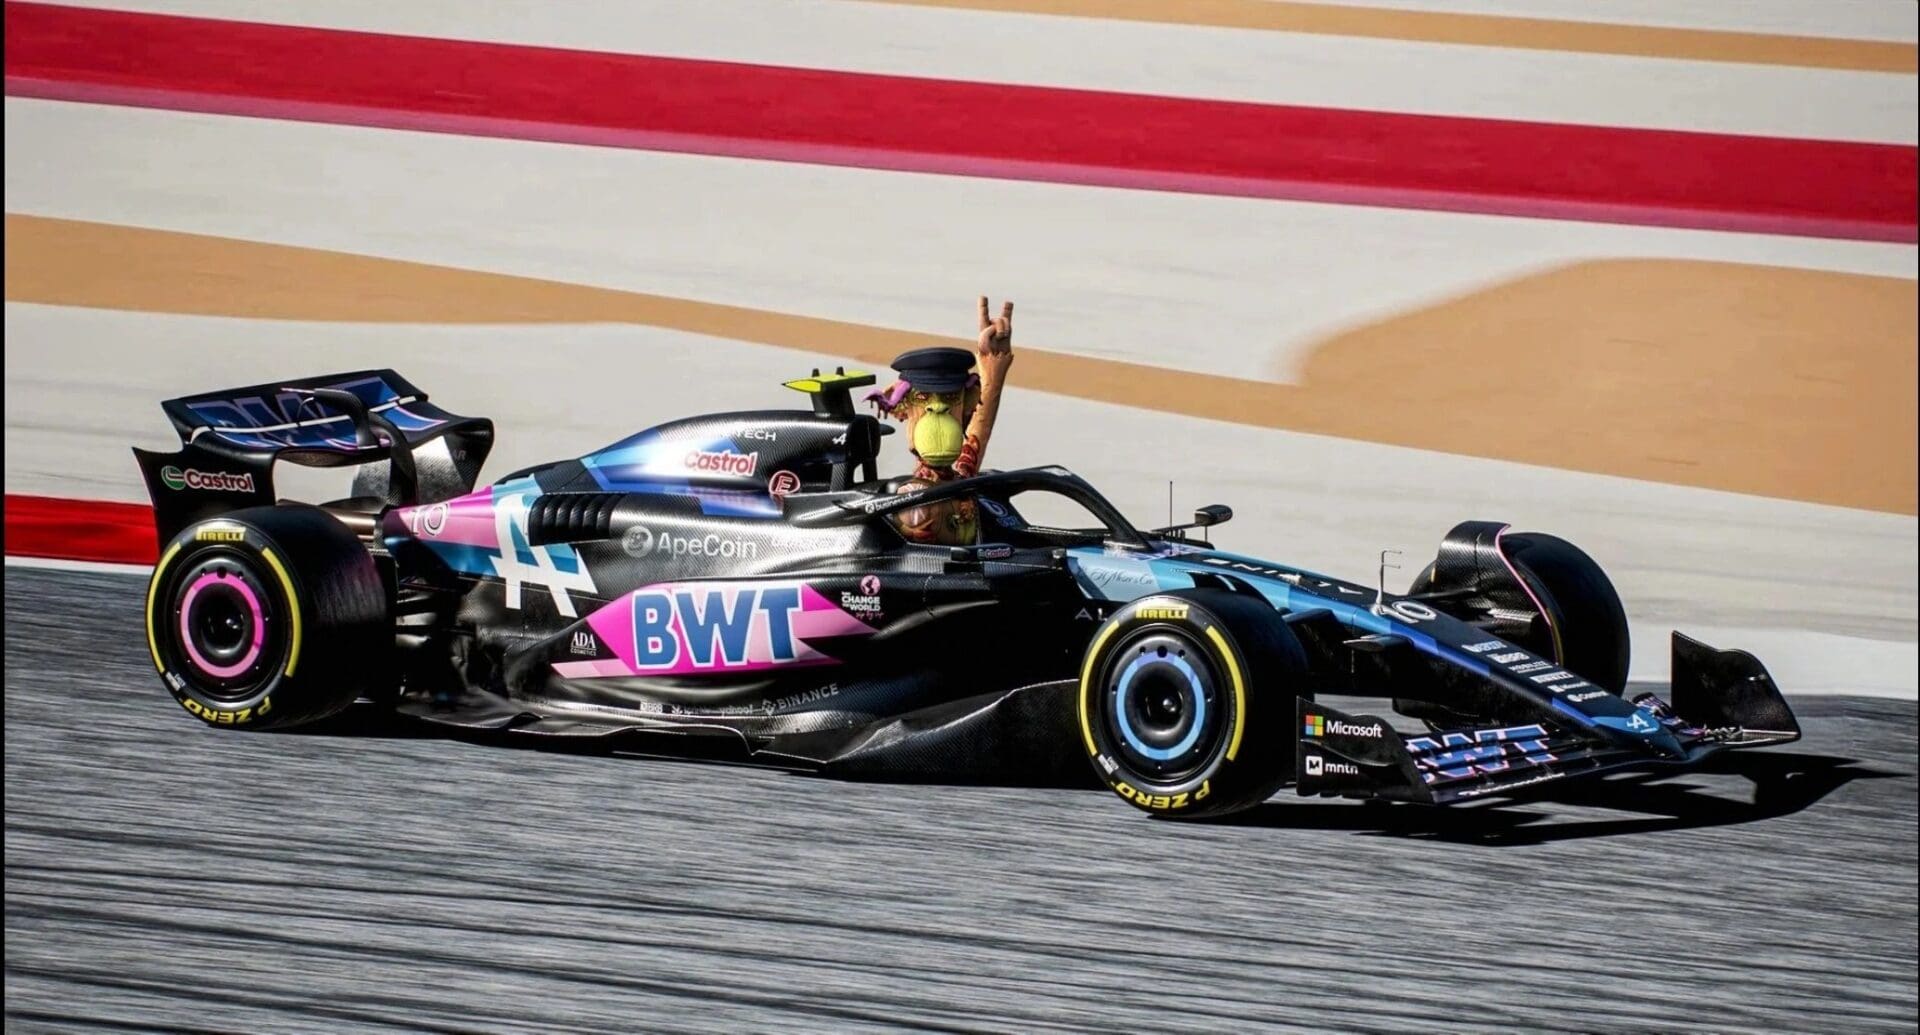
<point>1720,700</point>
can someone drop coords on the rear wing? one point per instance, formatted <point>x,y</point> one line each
<point>407,449</point>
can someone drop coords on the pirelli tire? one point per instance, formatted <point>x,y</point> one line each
<point>1585,625</point>
<point>267,618</point>
<point>1588,632</point>
<point>1186,701</point>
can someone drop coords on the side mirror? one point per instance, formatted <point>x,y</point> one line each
<point>1212,514</point>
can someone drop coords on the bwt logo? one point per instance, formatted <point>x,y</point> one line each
<point>1456,755</point>
<point>713,629</point>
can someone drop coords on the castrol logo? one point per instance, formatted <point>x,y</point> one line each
<point>723,463</point>
<point>205,481</point>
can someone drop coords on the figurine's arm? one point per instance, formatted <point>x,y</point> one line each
<point>996,357</point>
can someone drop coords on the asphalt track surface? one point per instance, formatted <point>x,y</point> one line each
<point>162,876</point>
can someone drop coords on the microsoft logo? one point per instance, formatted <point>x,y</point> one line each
<point>1318,726</point>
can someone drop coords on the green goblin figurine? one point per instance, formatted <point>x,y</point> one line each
<point>949,411</point>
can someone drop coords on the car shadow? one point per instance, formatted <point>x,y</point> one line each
<point>369,721</point>
<point>1780,784</point>
<point>1708,795</point>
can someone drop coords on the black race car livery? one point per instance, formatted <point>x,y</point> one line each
<point>734,586</point>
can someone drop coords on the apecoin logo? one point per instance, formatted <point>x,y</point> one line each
<point>641,541</point>
<point>637,541</point>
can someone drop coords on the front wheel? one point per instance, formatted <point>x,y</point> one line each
<point>1185,702</point>
<point>267,617</point>
<point>1588,631</point>
<point>1581,625</point>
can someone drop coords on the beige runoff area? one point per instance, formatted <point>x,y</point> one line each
<point>1788,383</point>
<point>1485,30</point>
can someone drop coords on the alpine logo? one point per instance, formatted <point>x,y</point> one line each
<point>723,463</point>
<point>205,481</point>
<point>523,563</point>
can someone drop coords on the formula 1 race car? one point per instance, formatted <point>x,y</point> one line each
<point>733,586</point>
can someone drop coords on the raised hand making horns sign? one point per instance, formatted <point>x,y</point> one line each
<point>996,343</point>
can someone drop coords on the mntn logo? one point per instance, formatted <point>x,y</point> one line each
<point>1320,766</point>
<point>712,632</point>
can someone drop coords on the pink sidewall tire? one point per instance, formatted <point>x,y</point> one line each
<point>267,618</point>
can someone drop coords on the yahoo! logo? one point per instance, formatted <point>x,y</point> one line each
<point>713,627</point>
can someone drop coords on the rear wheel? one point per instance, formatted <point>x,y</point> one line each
<point>267,617</point>
<point>1185,700</point>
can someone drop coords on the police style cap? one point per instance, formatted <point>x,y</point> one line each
<point>941,368</point>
